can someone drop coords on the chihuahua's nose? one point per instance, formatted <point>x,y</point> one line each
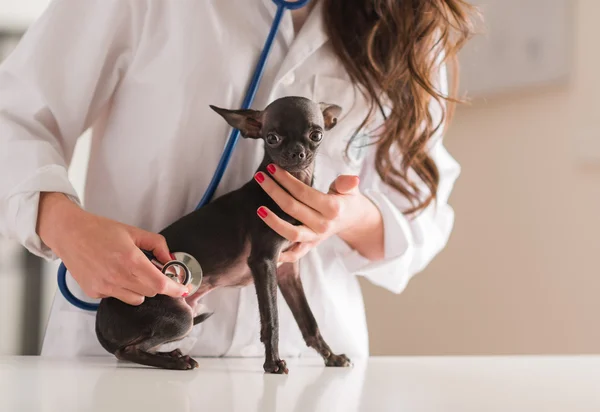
<point>298,152</point>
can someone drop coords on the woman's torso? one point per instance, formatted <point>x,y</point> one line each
<point>155,148</point>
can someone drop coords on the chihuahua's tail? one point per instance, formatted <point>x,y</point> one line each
<point>202,317</point>
<point>202,313</point>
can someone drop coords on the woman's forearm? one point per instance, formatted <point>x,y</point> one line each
<point>366,234</point>
<point>54,212</point>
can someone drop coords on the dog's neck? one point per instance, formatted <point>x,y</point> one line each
<point>305,175</point>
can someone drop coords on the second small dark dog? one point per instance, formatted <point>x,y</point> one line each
<point>234,247</point>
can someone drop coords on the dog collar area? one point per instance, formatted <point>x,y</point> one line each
<point>184,269</point>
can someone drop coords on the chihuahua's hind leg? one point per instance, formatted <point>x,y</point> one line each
<point>135,334</point>
<point>143,352</point>
<point>288,277</point>
<point>176,353</point>
<point>136,354</point>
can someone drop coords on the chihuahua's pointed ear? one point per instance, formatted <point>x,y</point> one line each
<point>331,112</point>
<point>248,122</point>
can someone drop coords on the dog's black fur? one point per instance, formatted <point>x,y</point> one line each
<point>234,248</point>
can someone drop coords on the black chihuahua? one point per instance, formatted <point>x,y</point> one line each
<point>234,248</point>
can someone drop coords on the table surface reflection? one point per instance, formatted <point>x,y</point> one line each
<point>503,383</point>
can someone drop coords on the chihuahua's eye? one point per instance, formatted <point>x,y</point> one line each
<point>316,136</point>
<point>272,139</point>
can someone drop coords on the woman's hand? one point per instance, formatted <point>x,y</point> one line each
<point>343,211</point>
<point>103,255</point>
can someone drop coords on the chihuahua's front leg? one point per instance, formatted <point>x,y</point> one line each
<point>264,269</point>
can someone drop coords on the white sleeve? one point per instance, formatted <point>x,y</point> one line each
<point>52,87</point>
<point>410,243</point>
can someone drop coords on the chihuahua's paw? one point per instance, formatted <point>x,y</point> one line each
<point>338,360</point>
<point>173,354</point>
<point>185,363</point>
<point>276,366</point>
<point>191,362</point>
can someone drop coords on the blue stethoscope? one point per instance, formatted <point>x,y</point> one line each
<point>189,267</point>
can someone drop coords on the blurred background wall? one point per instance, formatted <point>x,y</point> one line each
<point>519,274</point>
<point>521,271</point>
<point>27,284</point>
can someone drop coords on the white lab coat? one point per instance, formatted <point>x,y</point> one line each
<point>141,74</point>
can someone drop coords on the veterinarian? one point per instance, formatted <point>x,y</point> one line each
<point>142,74</point>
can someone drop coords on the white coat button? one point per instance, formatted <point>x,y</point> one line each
<point>288,79</point>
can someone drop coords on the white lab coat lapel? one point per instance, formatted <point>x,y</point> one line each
<point>310,38</point>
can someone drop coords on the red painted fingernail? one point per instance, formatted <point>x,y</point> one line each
<point>185,294</point>
<point>259,177</point>
<point>262,212</point>
<point>271,168</point>
<point>173,257</point>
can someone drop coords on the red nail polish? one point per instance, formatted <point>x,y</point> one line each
<point>271,168</point>
<point>259,177</point>
<point>262,212</point>
<point>173,257</point>
<point>185,294</point>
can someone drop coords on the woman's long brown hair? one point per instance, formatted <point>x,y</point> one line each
<point>392,49</point>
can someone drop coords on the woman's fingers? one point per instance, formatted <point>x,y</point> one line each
<point>296,252</point>
<point>290,205</point>
<point>151,242</point>
<point>326,205</point>
<point>284,229</point>
<point>149,277</point>
<point>144,283</point>
<point>344,184</point>
<point>127,296</point>
<point>135,272</point>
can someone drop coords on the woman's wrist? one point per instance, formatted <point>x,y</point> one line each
<point>365,233</point>
<point>55,213</point>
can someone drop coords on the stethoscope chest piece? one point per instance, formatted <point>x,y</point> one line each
<point>184,269</point>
